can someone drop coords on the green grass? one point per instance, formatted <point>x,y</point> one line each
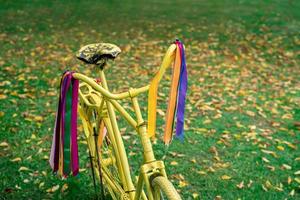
<point>242,56</point>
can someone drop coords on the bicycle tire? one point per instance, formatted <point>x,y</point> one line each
<point>164,189</point>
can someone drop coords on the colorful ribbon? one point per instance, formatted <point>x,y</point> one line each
<point>64,150</point>
<point>177,93</point>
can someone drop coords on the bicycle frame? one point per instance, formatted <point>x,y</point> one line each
<point>150,166</point>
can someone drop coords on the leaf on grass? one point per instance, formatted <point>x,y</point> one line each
<point>3,144</point>
<point>285,166</point>
<point>297,180</point>
<point>161,112</point>
<point>41,184</point>
<point>174,163</point>
<point>26,180</point>
<point>23,169</point>
<point>64,187</point>
<point>287,116</point>
<point>183,184</point>
<point>240,185</point>
<point>250,113</point>
<point>265,160</point>
<point>3,96</point>
<point>292,193</point>
<point>270,167</point>
<point>201,172</point>
<point>53,189</point>
<point>195,195</point>
<point>17,159</point>
<point>280,148</point>
<point>225,177</point>
<point>270,152</point>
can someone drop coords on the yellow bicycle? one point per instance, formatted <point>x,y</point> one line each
<point>97,106</point>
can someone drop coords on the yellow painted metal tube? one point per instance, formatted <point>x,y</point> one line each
<point>125,114</point>
<point>105,92</point>
<point>118,139</point>
<point>146,143</point>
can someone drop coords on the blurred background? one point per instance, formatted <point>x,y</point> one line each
<point>242,113</point>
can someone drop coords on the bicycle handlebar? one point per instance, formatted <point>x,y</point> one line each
<point>167,60</point>
<point>130,93</point>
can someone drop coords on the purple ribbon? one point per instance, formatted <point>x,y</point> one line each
<point>183,82</point>
<point>58,136</point>
<point>74,145</point>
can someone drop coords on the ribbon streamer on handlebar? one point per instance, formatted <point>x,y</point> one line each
<point>64,150</point>
<point>176,98</point>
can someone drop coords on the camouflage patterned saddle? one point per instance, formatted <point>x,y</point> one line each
<point>98,53</point>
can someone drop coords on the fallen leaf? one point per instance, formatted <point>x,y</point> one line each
<point>285,166</point>
<point>24,169</point>
<point>3,144</point>
<point>16,159</point>
<point>53,189</point>
<point>195,195</point>
<point>225,177</point>
<point>174,163</point>
<point>183,184</point>
<point>240,185</point>
<point>265,160</point>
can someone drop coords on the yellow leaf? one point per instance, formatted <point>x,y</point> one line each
<point>297,180</point>
<point>268,184</point>
<point>183,184</point>
<point>208,121</point>
<point>240,185</point>
<point>201,129</point>
<point>287,116</point>
<point>201,172</point>
<point>270,152</point>
<point>160,112</point>
<point>3,96</point>
<point>264,188</point>
<point>195,195</point>
<point>280,148</point>
<point>26,180</point>
<point>239,125</point>
<point>225,177</point>
<point>3,144</point>
<point>272,168</point>
<point>33,136</point>
<point>292,193</point>
<point>41,184</point>
<point>38,118</point>
<point>64,187</point>
<point>1,114</point>
<point>265,160</point>
<point>291,146</point>
<point>285,166</point>
<point>174,163</point>
<point>23,169</point>
<point>53,189</point>
<point>250,113</point>
<point>16,159</point>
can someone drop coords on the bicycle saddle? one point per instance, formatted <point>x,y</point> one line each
<point>98,53</point>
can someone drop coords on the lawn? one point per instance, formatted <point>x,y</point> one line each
<point>243,99</point>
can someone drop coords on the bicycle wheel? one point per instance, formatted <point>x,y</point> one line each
<point>164,189</point>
